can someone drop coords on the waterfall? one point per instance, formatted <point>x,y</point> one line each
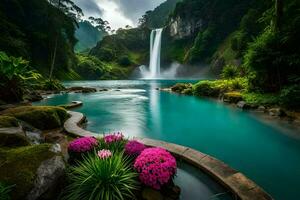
<point>155,46</point>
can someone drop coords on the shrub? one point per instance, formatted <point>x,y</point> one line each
<point>156,167</point>
<point>229,72</point>
<point>180,87</point>
<point>290,97</point>
<point>82,145</point>
<point>52,85</point>
<point>206,88</point>
<point>134,148</point>
<point>124,61</point>
<point>94,178</point>
<point>4,191</point>
<point>15,76</point>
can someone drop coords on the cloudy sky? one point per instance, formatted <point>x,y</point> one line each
<point>118,13</point>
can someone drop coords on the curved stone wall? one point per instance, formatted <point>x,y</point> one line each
<point>238,183</point>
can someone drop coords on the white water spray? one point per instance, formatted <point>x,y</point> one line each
<point>155,46</point>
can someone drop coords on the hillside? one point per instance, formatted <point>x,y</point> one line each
<point>87,35</point>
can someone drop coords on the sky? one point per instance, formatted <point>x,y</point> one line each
<point>118,13</point>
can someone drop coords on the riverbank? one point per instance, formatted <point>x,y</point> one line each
<point>268,107</point>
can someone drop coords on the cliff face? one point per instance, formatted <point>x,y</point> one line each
<point>181,28</point>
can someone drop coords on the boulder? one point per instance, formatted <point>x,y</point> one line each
<point>13,137</point>
<point>243,105</point>
<point>34,170</point>
<point>277,112</point>
<point>261,109</point>
<point>40,117</point>
<point>48,175</point>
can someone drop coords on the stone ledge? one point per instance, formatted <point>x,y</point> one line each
<point>236,182</point>
<point>72,125</point>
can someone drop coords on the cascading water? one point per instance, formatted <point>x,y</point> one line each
<point>155,46</point>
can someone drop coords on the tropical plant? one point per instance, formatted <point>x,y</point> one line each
<point>229,72</point>
<point>107,178</point>
<point>4,191</point>
<point>15,76</point>
<point>114,142</point>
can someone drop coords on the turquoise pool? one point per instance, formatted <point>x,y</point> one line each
<point>261,151</point>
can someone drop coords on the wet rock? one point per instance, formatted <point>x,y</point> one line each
<point>48,175</point>
<point>243,105</point>
<point>276,112</point>
<point>34,137</point>
<point>261,109</point>
<point>54,137</point>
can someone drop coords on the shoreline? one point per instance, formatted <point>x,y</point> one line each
<point>288,122</point>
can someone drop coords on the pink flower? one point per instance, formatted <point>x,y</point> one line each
<point>134,148</point>
<point>83,144</point>
<point>113,138</point>
<point>156,167</point>
<point>104,153</point>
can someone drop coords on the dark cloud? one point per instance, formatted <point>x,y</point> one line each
<point>134,9</point>
<point>89,7</point>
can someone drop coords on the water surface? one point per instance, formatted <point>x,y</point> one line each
<point>260,151</point>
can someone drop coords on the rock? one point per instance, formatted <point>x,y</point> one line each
<point>151,194</point>
<point>276,112</point>
<point>232,97</point>
<point>33,96</point>
<point>48,175</point>
<point>34,137</point>
<point>82,89</point>
<point>40,117</point>
<point>33,169</point>
<point>54,137</point>
<point>13,137</point>
<point>261,109</point>
<point>103,90</point>
<point>243,105</point>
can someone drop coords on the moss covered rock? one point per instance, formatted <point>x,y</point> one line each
<point>41,117</point>
<point>181,87</point>
<point>8,121</point>
<point>207,89</point>
<point>19,167</point>
<point>13,137</point>
<point>232,97</point>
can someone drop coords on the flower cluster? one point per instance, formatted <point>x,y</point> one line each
<point>156,167</point>
<point>113,138</point>
<point>134,148</point>
<point>104,153</point>
<point>83,144</point>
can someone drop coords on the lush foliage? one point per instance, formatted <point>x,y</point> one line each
<point>36,30</point>
<point>15,76</point>
<point>83,145</point>
<point>4,191</point>
<point>156,167</point>
<point>88,36</point>
<point>134,148</point>
<point>95,178</point>
<point>229,72</point>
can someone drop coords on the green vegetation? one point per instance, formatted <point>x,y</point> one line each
<point>95,178</point>
<point>4,191</point>
<point>229,72</point>
<point>16,77</point>
<point>41,117</point>
<point>23,162</point>
<point>88,36</point>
